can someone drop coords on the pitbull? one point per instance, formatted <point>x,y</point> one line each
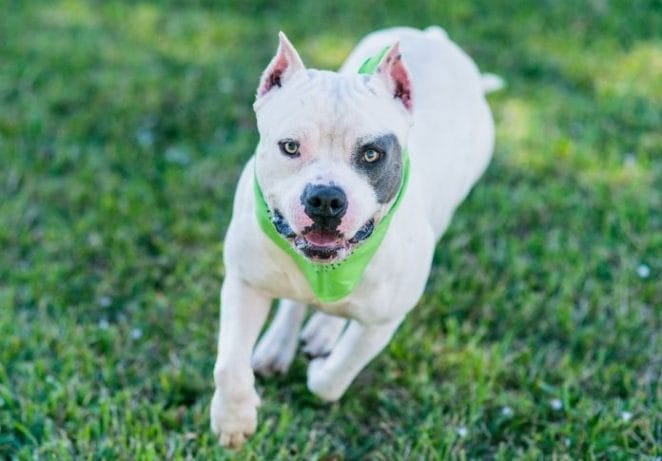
<point>355,178</point>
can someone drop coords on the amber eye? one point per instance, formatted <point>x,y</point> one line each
<point>289,147</point>
<point>371,155</point>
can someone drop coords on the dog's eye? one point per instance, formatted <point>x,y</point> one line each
<point>289,147</point>
<point>371,155</point>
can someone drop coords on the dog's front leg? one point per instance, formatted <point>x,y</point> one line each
<point>329,377</point>
<point>234,405</point>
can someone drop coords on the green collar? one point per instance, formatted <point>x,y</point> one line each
<point>332,282</point>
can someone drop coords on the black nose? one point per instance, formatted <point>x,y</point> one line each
<point>324,202</point>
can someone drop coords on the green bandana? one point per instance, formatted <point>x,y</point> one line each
<point>333,281</point>
<point>369,66</point>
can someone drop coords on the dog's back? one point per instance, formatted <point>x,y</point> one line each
<point>453,134</point>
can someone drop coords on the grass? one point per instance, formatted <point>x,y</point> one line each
<point>123,127</point>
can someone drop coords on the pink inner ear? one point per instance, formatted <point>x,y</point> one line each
<point>402,82</point>
<point>393,69</point>
<point>273,74</point>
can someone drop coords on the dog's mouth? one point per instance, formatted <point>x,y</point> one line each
<point>319,244</point>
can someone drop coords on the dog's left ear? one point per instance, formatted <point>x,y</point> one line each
<point>284,65</point>
<point>396,76</point>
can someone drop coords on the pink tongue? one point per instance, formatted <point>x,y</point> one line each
<point>322,238</point>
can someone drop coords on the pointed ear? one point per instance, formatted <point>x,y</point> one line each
<point>396,76</point>
<point>285,64</point>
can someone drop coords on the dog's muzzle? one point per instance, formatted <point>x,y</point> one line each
<point>318,243</point>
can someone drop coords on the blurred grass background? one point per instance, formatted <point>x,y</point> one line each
<point>123,127</point>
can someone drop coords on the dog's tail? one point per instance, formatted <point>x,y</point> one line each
<point>492,83</point>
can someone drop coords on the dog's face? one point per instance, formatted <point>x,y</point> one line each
<point>330,157</point>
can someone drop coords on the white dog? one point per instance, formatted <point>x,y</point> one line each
<point>354,180</point>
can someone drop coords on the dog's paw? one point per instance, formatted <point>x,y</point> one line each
<point>321,383</point>
<point>321,333</point>
<point>274,353</point>
<point>233,422</point>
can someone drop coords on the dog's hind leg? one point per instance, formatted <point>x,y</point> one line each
<point>329,377</point>
<point>321,333</point>
<point>275,351</point>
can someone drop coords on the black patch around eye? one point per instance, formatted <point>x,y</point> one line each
<point>384,174</point>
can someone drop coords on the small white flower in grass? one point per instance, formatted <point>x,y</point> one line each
<point>556,404</point>
<point>177,155</point>
<point>105,301</point>
<point>462,431</point>
<point>145,137</point>
<point>507,412</point>
<point>630,160</point>
<point>626,416</point>
<point>567,441</point>
<point>94,240</point>
<point>103,324</point>
<point>643,271</point>
<point>136,333</point>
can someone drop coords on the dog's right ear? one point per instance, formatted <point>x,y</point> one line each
<point>284,65</point>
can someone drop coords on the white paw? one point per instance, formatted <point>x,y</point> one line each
<point>233,422</point>
<point>321,333</point>
<point>321,383</point>
<point>275,352</point>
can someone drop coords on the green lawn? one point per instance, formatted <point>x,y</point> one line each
<point>123,127</point>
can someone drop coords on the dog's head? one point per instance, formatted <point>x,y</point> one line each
<point>330,157</point>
